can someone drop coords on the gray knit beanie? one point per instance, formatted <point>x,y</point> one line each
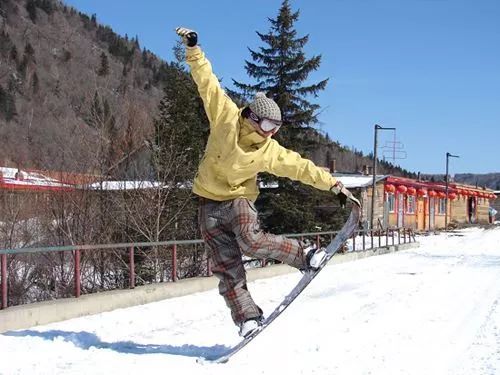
<point>265,107</point>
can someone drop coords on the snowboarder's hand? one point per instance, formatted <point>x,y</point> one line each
<point>343,194</point>
<point>189,37</point>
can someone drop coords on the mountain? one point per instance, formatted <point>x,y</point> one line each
<point>488,180</point>
<point>70,87</point>
<point>74,93</point>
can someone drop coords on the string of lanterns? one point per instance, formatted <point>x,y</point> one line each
<point>453,193</point>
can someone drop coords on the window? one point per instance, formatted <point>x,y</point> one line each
<point>390,202</point>
<point>442,206</point>
<point>410,204</point>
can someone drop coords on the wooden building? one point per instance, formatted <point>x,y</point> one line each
<point>420,205</point>
<point>423,205</point>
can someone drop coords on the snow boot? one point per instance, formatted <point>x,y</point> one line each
<point>250,326</point>
<point>314,256</point>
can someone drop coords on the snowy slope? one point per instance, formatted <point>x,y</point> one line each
<point>432,310</point>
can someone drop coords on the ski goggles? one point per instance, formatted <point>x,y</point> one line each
<point>265,124</point>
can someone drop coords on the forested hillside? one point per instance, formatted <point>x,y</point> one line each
<point>489,180</point>
<point>76,96</point>
<point>72,92</point>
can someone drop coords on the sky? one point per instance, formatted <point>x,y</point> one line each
<point>429,68</point>
<point>428,310</point>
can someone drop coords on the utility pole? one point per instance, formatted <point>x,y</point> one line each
<point>448,155</point>
<point>374,169</point>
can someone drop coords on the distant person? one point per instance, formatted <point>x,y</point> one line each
<point>492,213</point>
<point>240,146</point>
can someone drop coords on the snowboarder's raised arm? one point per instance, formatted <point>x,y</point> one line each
<point>218,105</point>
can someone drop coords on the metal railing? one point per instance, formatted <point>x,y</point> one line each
<point>361,240</point>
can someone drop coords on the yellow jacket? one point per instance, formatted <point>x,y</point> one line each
<point>235,152</point>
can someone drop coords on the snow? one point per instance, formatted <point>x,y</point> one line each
<point>352,182</point>
<point>430,310</point>
<point>123,185</point>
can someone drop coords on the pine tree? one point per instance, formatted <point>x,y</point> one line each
<point>281,70</point>
<point>181,127</point>
<point>31,8</point>
<point>29,50</point>
<point>7,104</point>
<point>104,67</point>
<point>13,54</point>
<point>35,83</point>
<point>5,43</point>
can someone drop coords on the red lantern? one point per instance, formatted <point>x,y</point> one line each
<point>441,194</point>
<point>432,193</point>
<point>421,192</point>
<point>493,197</point>
<point>452,196</point>
<point>412,191</point>
<point>402,189</point>
<point>390,188</point>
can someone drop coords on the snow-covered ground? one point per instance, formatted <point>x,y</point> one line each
<point>431,310</point>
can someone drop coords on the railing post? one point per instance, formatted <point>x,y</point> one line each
<point>263,262</point>
<point>78,288</point>
<point>209,268</point>
<point>371,235</point>
<point>318,242</point>
<point>364,239</point>
<point>379,239</point>
<point>404,235</point>
<point>3,262</point>
<point>354,241</point>
<point>386,236</point>
<point>174,263</point>
<point>131,270</point>
<point>399,236</point>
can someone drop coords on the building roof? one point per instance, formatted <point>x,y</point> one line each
<point>17,179</point>
<point>357,181</point>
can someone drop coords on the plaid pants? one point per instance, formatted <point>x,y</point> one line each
<point>230,229</point>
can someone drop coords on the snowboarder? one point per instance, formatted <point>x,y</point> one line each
<point>240,146</point>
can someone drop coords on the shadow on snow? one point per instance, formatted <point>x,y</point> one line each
<point>86,340</point>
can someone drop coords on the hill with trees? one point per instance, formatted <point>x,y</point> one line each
<point>76,96</point>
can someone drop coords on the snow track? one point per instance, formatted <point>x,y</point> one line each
<point>432,310</point>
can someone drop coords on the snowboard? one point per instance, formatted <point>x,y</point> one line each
<point>343,235</point>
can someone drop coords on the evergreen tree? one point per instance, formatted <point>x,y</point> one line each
<point>281,70</point>
<point>31,8</point>
<point>35,83</point>
<point>29,50</point>
<point>13,54</point>
<point>7,104</point>
<point>181,128</point>
<point>5,43</point>
<point>104,66</point>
